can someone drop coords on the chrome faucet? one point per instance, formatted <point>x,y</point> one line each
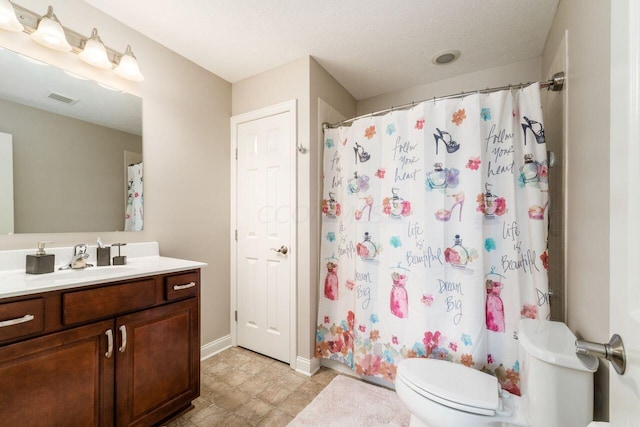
<point>79,258</point>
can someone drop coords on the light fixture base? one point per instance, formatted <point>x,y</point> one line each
<point>445,57</point>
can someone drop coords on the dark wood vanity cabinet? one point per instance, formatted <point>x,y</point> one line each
<point>123,354</point>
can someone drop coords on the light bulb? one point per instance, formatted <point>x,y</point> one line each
<point>50,33</point>
<point>8,19</point>
<point>94,52</point>
<point>128,67</point>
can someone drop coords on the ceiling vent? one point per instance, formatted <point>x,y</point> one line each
<point>62,98</point>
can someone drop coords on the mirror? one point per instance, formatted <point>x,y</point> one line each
<point>71,140</point>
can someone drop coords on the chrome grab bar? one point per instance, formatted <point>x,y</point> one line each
<point>24,319</point>
<point>613,351</point>
<point>185,286</point>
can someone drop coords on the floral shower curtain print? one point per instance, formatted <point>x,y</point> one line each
<point>434,234</point>
<point>134,218</point>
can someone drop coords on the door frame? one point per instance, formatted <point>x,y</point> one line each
<point>284,107</point>
<point>624,203</point>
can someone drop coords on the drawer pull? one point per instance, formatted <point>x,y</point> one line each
<point>24,319</point>
<point>109,353</point>
<point>186,286</point>
<point>123,331</point>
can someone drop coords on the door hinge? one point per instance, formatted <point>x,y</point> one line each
<point>236,235</point>
<point>236,315</point>
<point>236,154</point>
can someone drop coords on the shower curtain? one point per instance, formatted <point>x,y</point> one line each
<point>134,217</point>
<point>434,235</point>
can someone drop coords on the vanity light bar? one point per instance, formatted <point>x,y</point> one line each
<point>77,41</point>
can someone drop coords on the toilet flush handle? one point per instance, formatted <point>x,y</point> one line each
<point>613,351</point>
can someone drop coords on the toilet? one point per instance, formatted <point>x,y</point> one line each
<point>556,386</point>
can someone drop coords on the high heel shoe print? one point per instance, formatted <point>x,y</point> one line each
<point>447,140</point>
<point>361,154</point>
<point>445,215</point>
<point>537,212</point>
<point>535,128</point>
<point>368,203</point>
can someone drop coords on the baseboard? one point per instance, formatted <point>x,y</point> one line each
<point>307,367</point>
<point>215,347</point>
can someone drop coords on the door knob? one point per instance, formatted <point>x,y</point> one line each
<point>283,250</point>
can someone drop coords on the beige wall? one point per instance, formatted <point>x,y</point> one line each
<point>305,81</point>
<point>325,91</point>
<point>290,81</point>
<point>186,112</point>
<point>523,71</point>
<point>68,173</point>
<point>554,109</point>
<point>587,25</point>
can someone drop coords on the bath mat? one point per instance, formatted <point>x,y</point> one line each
<point>350,402</point>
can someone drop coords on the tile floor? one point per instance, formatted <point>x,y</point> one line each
<point>242,388</point>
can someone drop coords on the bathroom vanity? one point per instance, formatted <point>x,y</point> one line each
<point>117,345</point>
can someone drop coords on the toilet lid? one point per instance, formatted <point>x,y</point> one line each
<point>451,384</point>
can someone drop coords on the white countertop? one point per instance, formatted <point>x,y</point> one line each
<point>15,282</point>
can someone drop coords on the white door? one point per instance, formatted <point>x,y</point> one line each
<point>625,207</point>
<point>265,217</point>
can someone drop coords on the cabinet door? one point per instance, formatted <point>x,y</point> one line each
<point>62,379</point>
<point>157,363</point>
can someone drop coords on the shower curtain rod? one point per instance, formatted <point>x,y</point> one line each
<point>555,84</point>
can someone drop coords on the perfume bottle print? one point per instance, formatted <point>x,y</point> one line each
<point>331,207</point>
<point>457,255</point>
<point>399,300</point>
<point>437,178</point>
<point>490,204</point>
<point>494,307</point>
<point>367,250</point>
<point>395,206</point>
<point>358,183</point>
<point>442,178</point>
<point>535,127</point>
<point>331,281</point>
<point>444,136</point>
<point>529,170</point>
<point>445,215</point>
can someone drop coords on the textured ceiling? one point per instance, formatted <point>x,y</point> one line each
<point>370,46</point>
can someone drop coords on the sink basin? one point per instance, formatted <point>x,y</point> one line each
<point>70,276</point>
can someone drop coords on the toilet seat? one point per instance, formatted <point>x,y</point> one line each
<point>451,384</point>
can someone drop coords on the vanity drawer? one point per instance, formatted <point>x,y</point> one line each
<point>181,286</point>
<point>108,301</point>
<point>21,318</point>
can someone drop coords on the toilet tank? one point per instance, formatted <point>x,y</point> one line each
<point>557,388</point>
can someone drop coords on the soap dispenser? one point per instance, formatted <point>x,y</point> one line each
<point>41,262</point>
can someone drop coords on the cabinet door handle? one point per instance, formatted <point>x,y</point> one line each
<point>123,331</point>
<point>109,353</point>
<point>23,319</point>
<point>185,286</point>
